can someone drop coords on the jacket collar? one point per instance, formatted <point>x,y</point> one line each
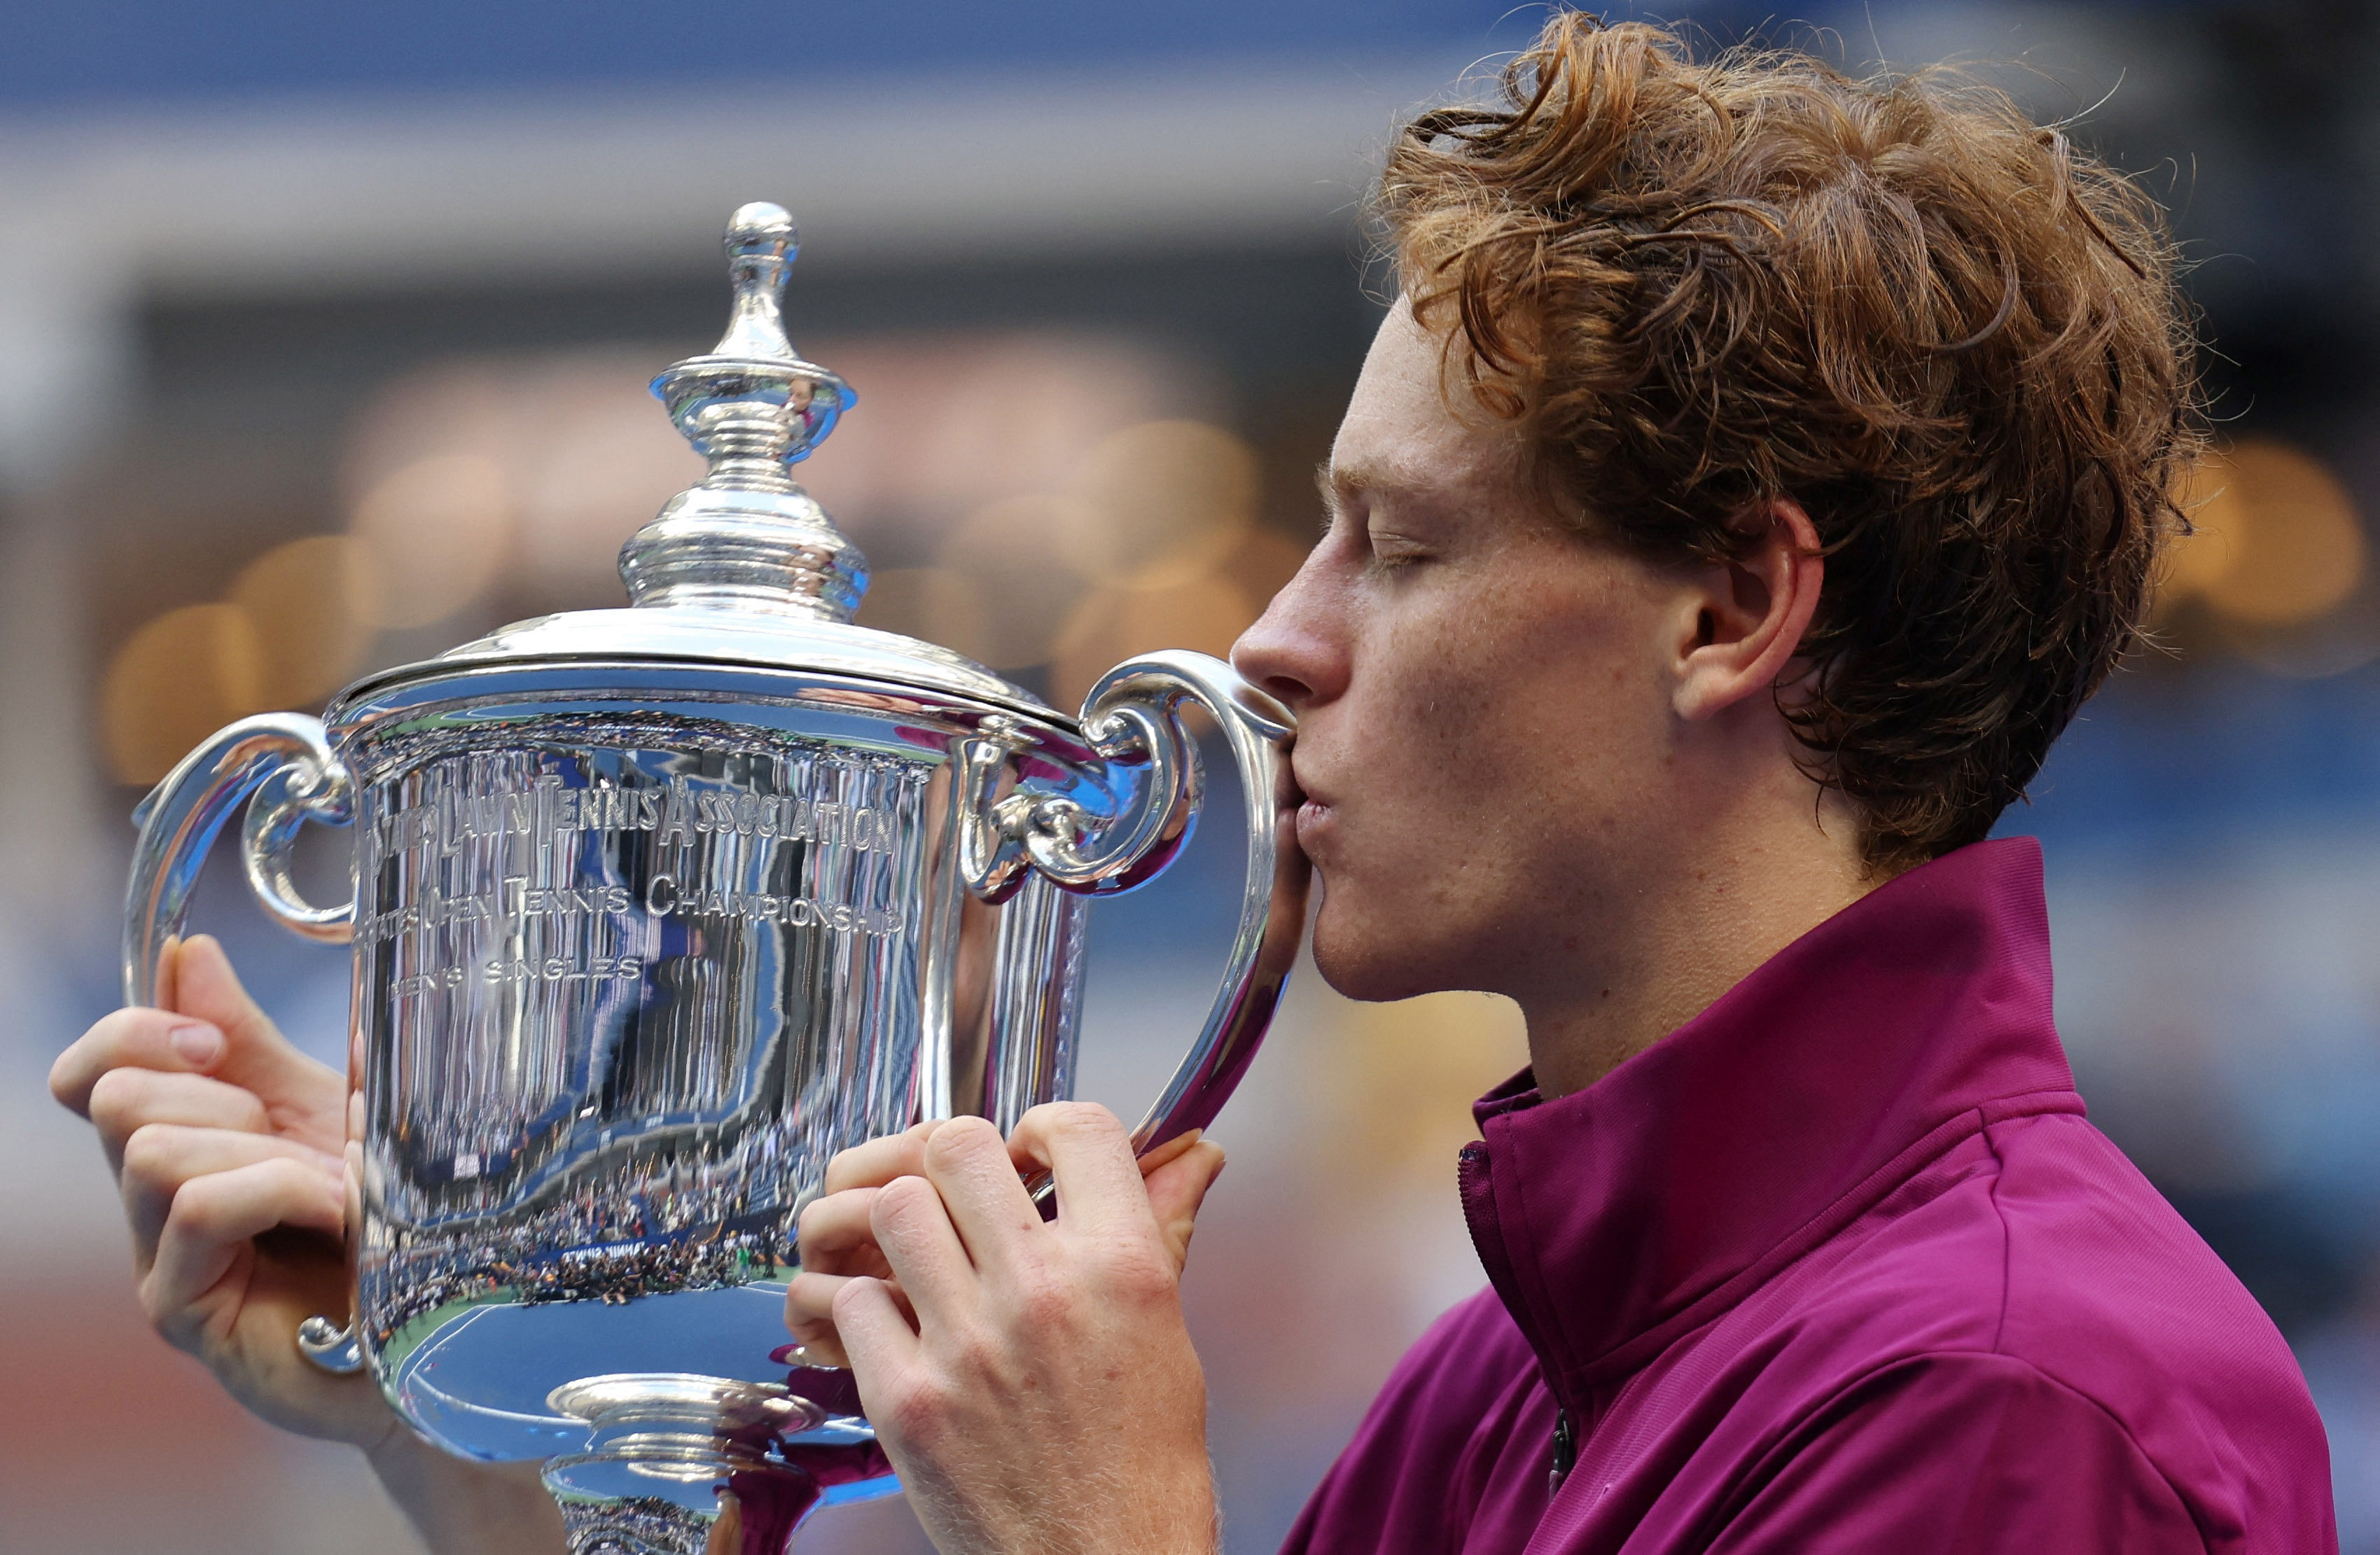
<point>1616,1218</point>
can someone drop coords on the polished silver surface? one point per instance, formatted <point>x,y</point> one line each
<point>330,1346</point>
<point>697,634</point>
<point>655,911</point>
<point>639,947</point>
<point>746,536</point>
<point>690,1466</point>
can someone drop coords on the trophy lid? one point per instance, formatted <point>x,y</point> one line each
<point>744,567</point>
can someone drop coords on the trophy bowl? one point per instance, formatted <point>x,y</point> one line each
<point>655,911</point>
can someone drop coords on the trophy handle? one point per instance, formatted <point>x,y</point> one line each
<point>283,764</point>
<point>1133,713</point>
<point>283,758</point>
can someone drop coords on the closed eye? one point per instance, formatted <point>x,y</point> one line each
<point>1391,549</point>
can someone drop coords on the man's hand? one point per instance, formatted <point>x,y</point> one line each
<point>1033,1383</point>
<point>231,1149</point>
<point>230,1146</point>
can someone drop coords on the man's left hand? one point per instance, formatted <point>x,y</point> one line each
<point>1033,1383</point>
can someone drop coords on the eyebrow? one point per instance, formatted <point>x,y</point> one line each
<point>1336,485</point>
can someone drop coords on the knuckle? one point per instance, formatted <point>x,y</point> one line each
<point>1141,1275</point>
<point>253,1116</point>
<point>812,1223</point>
<point>960,1137</point>
<point>1086,1119</point>
<point>151,1154</point>
<point>840,1168</point>
<point>95,1049</point>
<point>197,1210</point>
<point>161,1313</point>
<point>971,1358</point>
<point>899,1202</point>
<point>806,1317</point>
<point>1040,1116</point>
<point>841,1304</point>
<point>916,1414</point>
<point>65,1076</point>
<point>117,1096</point>
<point>1045,1306</point>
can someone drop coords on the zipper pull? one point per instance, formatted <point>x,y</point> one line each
<point>1565,1452</point>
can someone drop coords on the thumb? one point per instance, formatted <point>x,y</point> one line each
<point>1176,1190</point>
<point>256,1056</point>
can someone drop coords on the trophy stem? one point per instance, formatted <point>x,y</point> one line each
<point>682,1466</point>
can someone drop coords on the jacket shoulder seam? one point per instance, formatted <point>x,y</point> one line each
<point>1916,1357</point>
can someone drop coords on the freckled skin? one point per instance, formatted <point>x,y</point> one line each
<point>1537,764</point>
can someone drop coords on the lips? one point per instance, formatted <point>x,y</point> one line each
<point>1312,812</point>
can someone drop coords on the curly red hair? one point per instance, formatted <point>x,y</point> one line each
<point>1952,337</point>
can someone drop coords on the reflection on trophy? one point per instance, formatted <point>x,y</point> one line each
<point>658,909</point>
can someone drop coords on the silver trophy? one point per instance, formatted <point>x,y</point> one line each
<point>658,909</point>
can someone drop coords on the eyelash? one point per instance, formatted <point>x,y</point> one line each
<point>1373,556</point>
<point>1411,556</point>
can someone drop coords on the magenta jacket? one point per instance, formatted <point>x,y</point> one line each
<point>1838,1266</point>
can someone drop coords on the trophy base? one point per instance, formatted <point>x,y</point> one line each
<point>679,1464</point>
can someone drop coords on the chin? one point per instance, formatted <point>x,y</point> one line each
<point>1377,961</point>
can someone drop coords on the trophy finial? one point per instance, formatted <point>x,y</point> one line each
<point>762,243</point>
<point>746,536</point>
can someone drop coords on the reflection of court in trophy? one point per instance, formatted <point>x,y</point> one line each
<point>658,909</point>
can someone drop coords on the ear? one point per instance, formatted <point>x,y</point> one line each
<point>1746,618</point>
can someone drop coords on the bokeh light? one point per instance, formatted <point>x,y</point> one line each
<point>1021,559</point>
<point>1171,500</point>
<point>953,421</point>
<point>435,533</point>
<point>1115,623</point>
<point>593,458</point>
<point>2277,542</point>
<point>176,681</point>
<point>309,602</point>
<point>1148,538</point>
<point>932,604</point>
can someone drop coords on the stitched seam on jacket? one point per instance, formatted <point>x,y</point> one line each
<point>2007,1237</point>
<point>1818,1230</point>
<point>1766,1466</point>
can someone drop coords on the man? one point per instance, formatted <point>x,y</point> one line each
<point>1757,472</point>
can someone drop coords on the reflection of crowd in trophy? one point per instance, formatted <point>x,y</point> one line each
<point>641,1228</point>
<point>655,1526</point>
<point>653,1270</point>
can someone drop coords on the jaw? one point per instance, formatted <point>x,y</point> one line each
<point>1377,948</point>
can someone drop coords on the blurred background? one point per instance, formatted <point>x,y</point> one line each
<point>323,334</point>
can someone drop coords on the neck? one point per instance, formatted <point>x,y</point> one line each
<point>1699,921</point>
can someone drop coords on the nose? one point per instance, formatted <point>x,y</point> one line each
<point>1297,650</point>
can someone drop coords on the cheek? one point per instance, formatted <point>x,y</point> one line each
<point>1508,744</point>
<point>1511,700</point>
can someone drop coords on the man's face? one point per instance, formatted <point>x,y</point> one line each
<point>1483,700</point>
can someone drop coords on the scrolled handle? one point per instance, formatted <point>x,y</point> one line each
<point>305,790</point>
<point>283,759</point>
<point>1134,714</point>
<point>1057,836</point>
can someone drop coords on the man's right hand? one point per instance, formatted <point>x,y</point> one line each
<point>230,1147</point>
<point>232,1150</point>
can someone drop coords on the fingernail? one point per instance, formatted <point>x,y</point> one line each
<point>196,1043</point>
